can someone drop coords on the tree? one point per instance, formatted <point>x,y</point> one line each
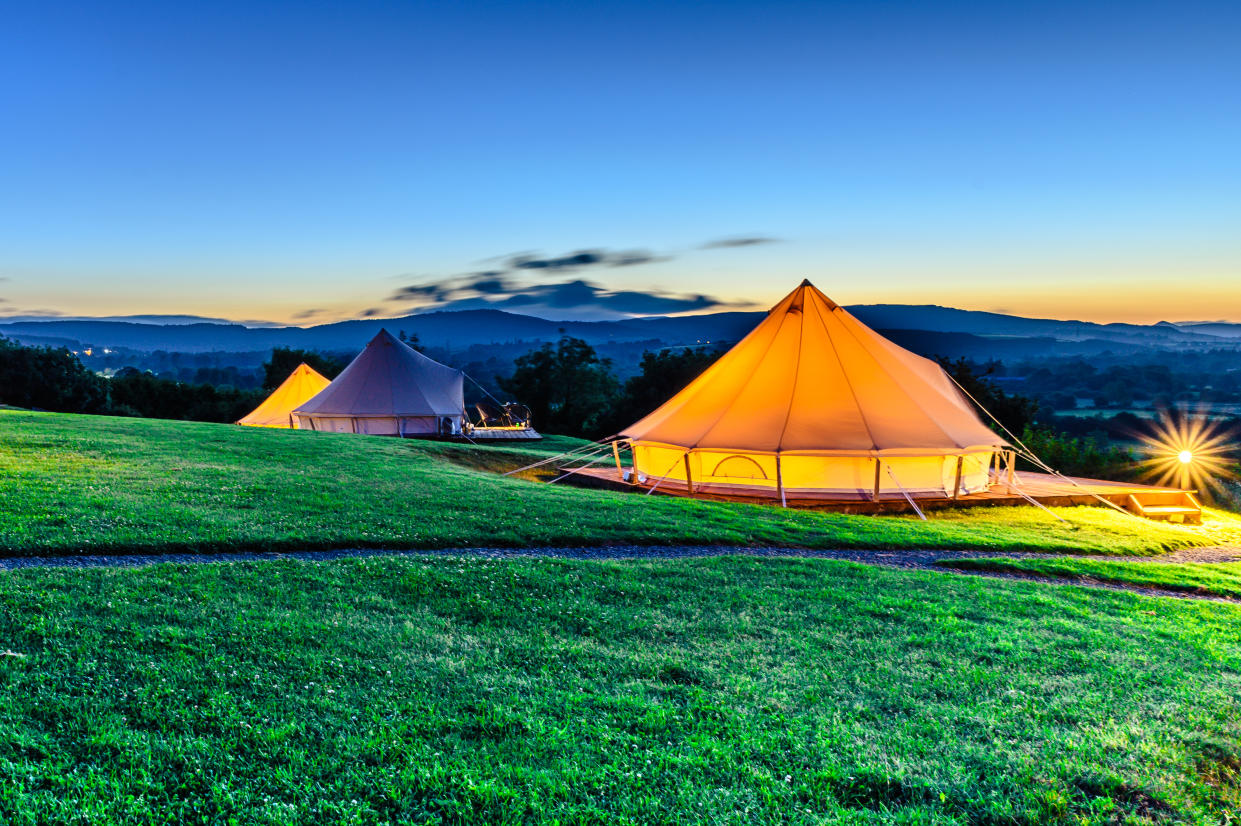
<point>1014,411</point>
<point>412,340</point>
<point>664,374</point>
<point>284,361</point>
<point>568,388</point>
<point>49,378</point>
<point>137,393</point>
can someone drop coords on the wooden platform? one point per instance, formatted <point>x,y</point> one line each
<point>504,434</point>
<point>1042,487</point>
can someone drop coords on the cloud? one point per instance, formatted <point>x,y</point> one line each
<point>371,312</point>
<point>507,285</point>
<point>739,241</point>
<point>577,299</point>
<point>585,258</point>
<point>35,312</point>
<point>305,314</point>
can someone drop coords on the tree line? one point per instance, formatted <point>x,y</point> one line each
<point>568,387</point>
<point>52,378</point>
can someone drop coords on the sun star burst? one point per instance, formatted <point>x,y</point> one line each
<point>1188,451</point>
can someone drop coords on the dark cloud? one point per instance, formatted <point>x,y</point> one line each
<point>304,314</point>
<point>575,299</point>
<point>489,282</point>
<point>633,259</point>
<point>740,241</point>
<point>371,312</point>
<point>508,287</point>
<point>434,292</point>
<point>585,258</point>
<point>573,261</point>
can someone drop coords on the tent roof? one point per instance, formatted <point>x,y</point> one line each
<point>301,386</point>
<point>390,378</point>
<point>811,377</point>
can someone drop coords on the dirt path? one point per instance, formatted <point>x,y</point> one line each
<point>906,559</point>
<point>1215,553</point>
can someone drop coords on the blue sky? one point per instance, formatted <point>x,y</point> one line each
<point>308,161</point>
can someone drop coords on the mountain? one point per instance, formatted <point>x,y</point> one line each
<point>1213,328</point>
<point>137,319</point>
<point>947,319</point>
<point>462,329</point>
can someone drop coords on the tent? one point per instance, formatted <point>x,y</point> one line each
<point>390,389</point>
<point>813,403</point>
<point>277,409</point>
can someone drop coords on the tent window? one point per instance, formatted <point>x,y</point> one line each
<point>739,467</point>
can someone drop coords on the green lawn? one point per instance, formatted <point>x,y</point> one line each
<point>1218,579</point>
<point>723,690</point>
<point>86,484</point>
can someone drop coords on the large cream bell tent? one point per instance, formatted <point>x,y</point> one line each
<point>302,385</point>
<point>390,389</point>
<point>813,403</point>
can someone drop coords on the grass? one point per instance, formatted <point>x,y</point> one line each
<point>723,690</point>
<point>85,484</point>
<point>1222,579</point>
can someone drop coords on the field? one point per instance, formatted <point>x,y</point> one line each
<point>727,690</point>
<point>1219,579</point>
<point>468,689</point>
<point>84,484</point>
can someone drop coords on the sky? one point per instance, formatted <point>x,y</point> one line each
<point>309,162</point>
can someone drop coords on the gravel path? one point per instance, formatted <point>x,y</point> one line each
<point>905,559</point>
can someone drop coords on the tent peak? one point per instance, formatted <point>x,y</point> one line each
<point>385,338</point>
<point>806,285</point>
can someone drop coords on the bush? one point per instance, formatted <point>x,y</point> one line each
<point>1078,455</point>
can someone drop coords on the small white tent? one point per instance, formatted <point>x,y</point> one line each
<point>390,389</point>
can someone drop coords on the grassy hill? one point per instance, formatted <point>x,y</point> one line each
<point>447,689</point>
<point>729,690</point>
<point>83,484</point>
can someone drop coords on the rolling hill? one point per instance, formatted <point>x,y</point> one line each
<point>460,330</point>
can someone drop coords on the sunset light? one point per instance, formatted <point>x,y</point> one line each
<point>1187,451</point>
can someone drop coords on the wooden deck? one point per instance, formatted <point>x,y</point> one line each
<point>1042,487</point>
<point>505,434</point>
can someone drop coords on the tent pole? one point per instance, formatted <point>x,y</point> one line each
<point>956,486</point>
<point>780,482</point>
<point>620,473</point>
<point>1011,455</point>
<point>874,497</point>
<point>689,479</point>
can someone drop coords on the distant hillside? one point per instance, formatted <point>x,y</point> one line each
<point>1213,328</point>
<point>454,331</point>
